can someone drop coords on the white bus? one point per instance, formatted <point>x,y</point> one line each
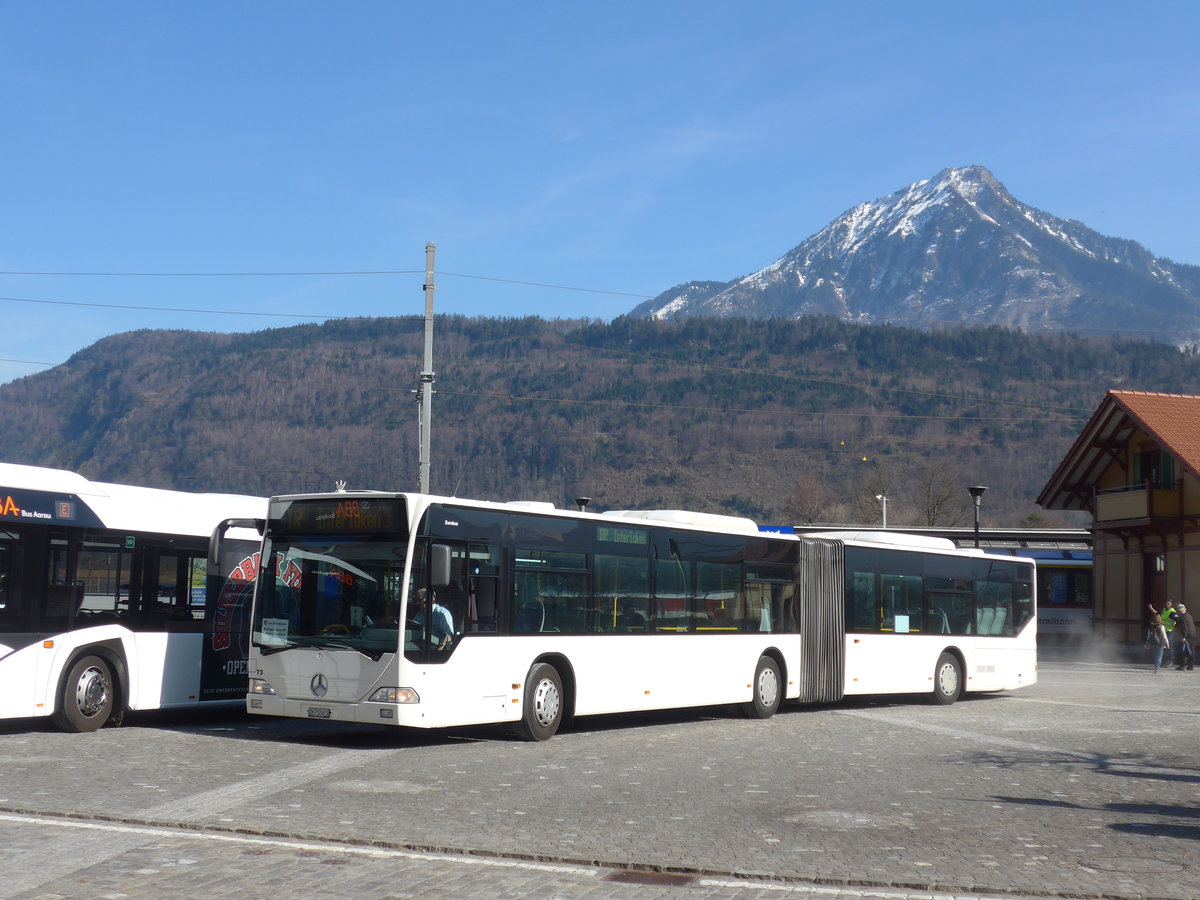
<point>107,603</point>
<point>533,614</point>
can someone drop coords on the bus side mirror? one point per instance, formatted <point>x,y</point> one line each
<point>218,535</point>
<point>439,565</point>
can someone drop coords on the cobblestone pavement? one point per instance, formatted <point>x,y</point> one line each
<point>1083,785</point>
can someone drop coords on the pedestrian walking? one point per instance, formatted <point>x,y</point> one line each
<point>1157,641</point>
<point>1185,625</point>
<point>1167,616</point>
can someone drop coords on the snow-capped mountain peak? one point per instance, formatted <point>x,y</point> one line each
<point>959,248</point>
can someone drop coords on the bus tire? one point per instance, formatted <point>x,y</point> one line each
<point>86,700</point>
<point>542,712</point>
<point>767,690</point>
<point>947,680</point>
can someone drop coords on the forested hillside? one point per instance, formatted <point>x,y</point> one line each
<point>782,420</point>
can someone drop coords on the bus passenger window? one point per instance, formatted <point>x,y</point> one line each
<point>758,606</point>
<point>719,602</point>
<point>862,611</point>
<point>622,602</point>
<point>903,603</point>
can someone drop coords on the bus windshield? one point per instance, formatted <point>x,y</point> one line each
<point>344,592</point>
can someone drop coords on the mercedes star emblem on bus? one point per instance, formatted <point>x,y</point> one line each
<point>319,685</point>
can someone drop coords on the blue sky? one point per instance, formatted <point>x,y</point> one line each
<point>617,147</point>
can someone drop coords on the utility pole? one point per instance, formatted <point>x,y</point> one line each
<point>425,388</point>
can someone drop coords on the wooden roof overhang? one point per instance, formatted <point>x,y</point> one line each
<point>1098,446</point>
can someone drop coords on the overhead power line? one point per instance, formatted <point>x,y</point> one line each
<point>179,309</point>
<point>28,362</point>
<point>362,272</point>
<point>216,274</point>
<point>331,273</point>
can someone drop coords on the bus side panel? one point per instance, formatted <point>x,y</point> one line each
<point>894,663</point>
<point>1004,664</point>
<point>164,669</point>
<point>484,680</point>
<point>904,663</point>
<point>19,675</point>
<point>669,671</point>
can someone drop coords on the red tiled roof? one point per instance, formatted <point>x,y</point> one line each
<point>1173,420</point>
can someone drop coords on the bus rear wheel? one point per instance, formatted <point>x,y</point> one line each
<point>86,701</point>
<point>947,680</point>
<point>767,688</point>
<point>542,712</point>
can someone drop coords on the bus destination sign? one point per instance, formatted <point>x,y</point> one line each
<point>612,534</point>
<point>342,515</point>
<point>39,508</point>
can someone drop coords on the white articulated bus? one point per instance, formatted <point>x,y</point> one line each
<point>107,603</point>
<point>423,611</point>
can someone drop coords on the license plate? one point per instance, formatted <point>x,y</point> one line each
<point>319,712</point>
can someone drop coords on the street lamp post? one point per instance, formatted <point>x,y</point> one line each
<point>882,498</point>
<point>976,492</point>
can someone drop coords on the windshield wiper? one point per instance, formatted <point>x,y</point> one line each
<point>268,649</point>
<point>321,644</point>
<point>371,652</point>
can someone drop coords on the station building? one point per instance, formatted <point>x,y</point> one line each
<point>1135,468</point>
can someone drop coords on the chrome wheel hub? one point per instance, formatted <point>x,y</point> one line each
<point>546,702</point>
<point>91,692</point>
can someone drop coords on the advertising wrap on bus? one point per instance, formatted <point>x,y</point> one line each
<point>227,622</point>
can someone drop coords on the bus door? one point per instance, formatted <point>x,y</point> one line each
<point>470,584</point>
<point>472,594</point>
<point>10,595</point>
<point>64,590</point>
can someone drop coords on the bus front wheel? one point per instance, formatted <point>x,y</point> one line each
<point>767,690</point>
<point>947,680</point>
<point>542,711</point>
<point>86,702</point>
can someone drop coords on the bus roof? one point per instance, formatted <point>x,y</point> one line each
<point>712,521</point>
<point>123,507</point>
<point>891,538</point>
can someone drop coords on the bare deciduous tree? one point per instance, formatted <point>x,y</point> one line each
<point>874,483</point>
<point>810,502</point>
<point>943,497</point>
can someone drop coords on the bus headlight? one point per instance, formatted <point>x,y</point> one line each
<point>261,687</point>
<point>395,695</point>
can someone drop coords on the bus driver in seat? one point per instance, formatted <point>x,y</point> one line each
<point>441,626</point>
